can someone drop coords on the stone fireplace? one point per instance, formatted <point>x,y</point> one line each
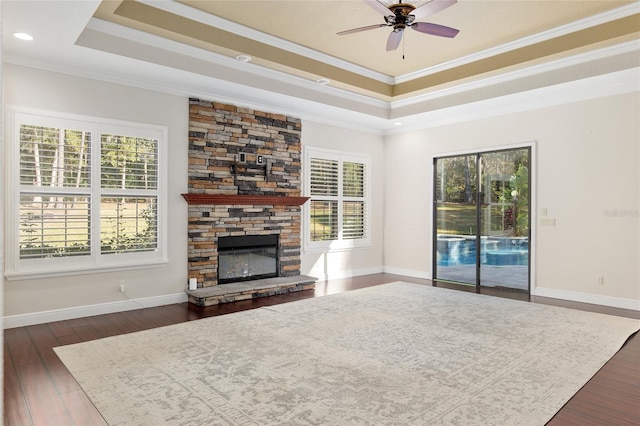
<point>244,188</point>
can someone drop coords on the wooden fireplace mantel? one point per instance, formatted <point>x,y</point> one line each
<point>232,200</point>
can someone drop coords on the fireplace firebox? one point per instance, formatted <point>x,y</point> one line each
<point>247,257</point>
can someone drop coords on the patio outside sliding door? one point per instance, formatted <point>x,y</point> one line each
<point>481,219</point>
<point>456,221</point>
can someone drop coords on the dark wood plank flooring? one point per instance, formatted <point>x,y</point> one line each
<point>38,389</point>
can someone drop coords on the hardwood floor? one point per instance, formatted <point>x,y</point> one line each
<point>38,389</point>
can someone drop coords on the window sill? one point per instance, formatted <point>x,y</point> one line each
<point>84,270</point>
<point>335,247</point>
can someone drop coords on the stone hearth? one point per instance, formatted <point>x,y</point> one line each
<point>208,296</point>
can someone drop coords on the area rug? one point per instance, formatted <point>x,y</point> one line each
<point>395,354</point>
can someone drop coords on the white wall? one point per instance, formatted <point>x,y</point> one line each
<point>360,261</point>
<point>28,301</point>
<point>588,157</point>
<point>28,87</point>
<point>587,168</point>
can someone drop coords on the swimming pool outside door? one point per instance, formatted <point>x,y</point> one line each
<point>481,219</point>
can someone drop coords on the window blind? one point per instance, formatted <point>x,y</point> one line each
<point>324,177</point>
<point>54,157</point>
<point>338,210</point>
<point>86,190</point>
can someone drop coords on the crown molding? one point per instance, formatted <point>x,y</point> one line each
<point>186,11</point>
<point>632,46</point>
<point>121,32</point>
<point>602,18</point>
<point>601,86</point>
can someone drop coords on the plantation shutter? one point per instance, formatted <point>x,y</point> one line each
<point>54,230</point>
<point>129,162</point>
<point>324,203</point>
<point>87,194</point>
<point>129,168</point>
<point>55,172</point>
<point>338,209</point>
<point>324,177</point>
<point>353,207</point>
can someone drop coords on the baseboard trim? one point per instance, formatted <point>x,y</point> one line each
<point>407,272</point>
<point>594,299</point>
<point>34,318</point>
<point>13,321</point>
<point>574,296</point>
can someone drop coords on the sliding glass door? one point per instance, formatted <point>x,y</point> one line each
<point>481,219</point>
<point>456,221</point>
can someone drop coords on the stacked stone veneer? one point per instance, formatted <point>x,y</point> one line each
<point>218,134</point>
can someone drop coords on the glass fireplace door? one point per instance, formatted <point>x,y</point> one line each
<point>247,257</point>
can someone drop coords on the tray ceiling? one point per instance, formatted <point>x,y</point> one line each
<point>299,37</point>
<point>293,44</point>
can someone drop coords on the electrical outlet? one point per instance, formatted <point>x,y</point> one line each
<point>600,280</point>
<point>548,221</point>
<point>121,286</point>
<point>259,159</point>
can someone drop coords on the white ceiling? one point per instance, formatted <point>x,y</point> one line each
<point>483,25</point>
<point>189,48</point>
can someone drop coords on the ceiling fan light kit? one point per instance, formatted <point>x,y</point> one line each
<point>403,15</point>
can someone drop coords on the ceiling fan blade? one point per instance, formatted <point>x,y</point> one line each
<point>378,7</point>
<point>394,40</point>
<point>431,8</point>
<point>435,29</point>
<point>359,29</point>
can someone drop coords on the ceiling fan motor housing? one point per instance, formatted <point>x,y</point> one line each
<point>401,17</point>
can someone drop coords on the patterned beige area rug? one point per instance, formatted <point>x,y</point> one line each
<point>395,354</point>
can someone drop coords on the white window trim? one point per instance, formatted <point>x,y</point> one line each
<point>334,245</point>
<point>17,269</point>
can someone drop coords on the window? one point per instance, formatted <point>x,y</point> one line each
<point>338,209</point>
<point>88,195</point>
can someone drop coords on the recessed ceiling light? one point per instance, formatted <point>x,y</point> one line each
<point>323,81</point>
<point>243,58</point>
<point>398,123</point>
<point>23,36</point>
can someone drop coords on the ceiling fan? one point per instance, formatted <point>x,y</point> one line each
<point>404,15</point>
